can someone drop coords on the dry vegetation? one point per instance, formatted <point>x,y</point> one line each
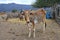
<point>14,29</point>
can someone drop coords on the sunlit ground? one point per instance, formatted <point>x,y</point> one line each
<point>14,29</point>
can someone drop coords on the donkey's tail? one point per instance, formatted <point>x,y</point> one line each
<point>45,24</point>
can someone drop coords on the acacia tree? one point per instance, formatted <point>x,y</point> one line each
<point>45,3</point>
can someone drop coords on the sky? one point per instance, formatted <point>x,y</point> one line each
<point>27,2</point>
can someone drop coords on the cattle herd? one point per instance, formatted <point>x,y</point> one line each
<point>31,17</point>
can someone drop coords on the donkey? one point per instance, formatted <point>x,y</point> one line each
<point>33,18</point>
<point>21,16</point>
<point>12,15</point>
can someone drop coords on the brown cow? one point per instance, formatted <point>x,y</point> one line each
<point>33,18</point>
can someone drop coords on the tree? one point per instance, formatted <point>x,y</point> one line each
<point>14,10</point>
<point>45,3</point>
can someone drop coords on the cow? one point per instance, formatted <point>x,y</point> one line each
<point>32,18</point>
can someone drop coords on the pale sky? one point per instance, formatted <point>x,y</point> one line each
<point>27,2</point>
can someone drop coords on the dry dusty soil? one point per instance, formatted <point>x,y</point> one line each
<point>19,31</point>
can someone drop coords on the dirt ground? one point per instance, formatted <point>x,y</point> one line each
<point>19,31</point>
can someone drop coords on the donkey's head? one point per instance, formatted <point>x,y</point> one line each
<point>26,14</point>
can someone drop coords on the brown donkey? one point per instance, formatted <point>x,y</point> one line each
<point>33,18</point>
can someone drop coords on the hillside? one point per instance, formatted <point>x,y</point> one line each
<point>11,6</point>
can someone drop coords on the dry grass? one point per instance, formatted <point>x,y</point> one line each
<point>16,20</point>
<point>17,30</point>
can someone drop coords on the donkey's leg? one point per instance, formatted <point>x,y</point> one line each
<point>29,32</point>
<point>44,25</point>
<point>7,18</point>
<point>33,30</point>
<point>29,27</point>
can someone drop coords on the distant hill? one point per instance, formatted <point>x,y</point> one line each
<point>11,6</point>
